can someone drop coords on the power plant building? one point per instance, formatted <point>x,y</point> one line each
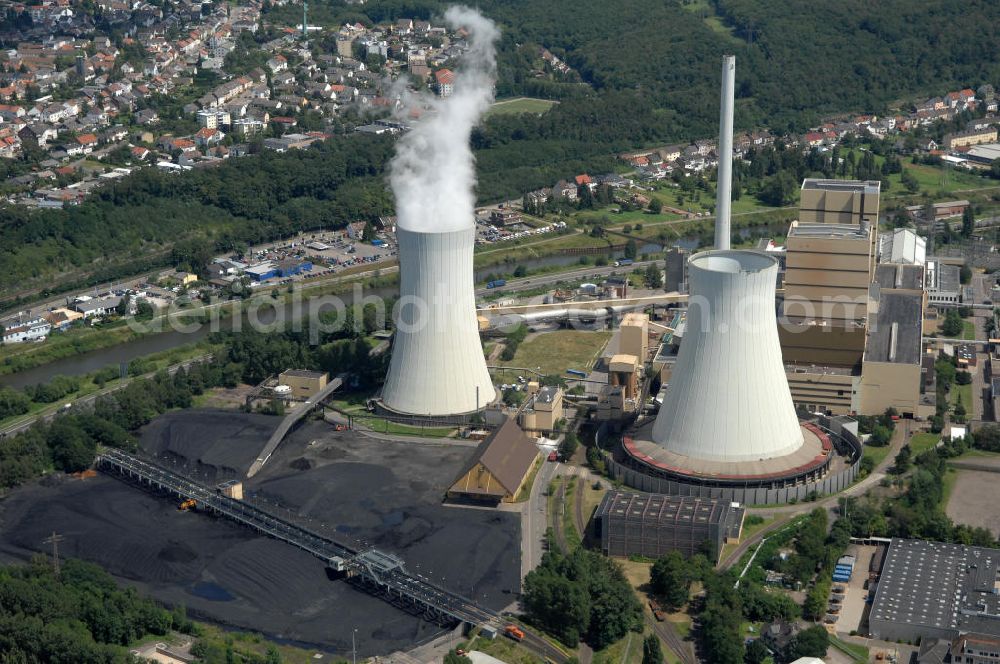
<point>652,525</point>
<point>844,202</point>
<point>675,272</point>
<point>828,270</point>
<point>633,335</point>
<point>853,304</point>
<point>303,383</point>
<point>890,373</point>
<point>544,411</point>
<point>437,366</point>
<point>828,273</point>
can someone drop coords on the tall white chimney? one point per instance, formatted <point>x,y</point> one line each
<point>725,178</point>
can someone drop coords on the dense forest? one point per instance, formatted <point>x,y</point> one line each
<point>79,616</point>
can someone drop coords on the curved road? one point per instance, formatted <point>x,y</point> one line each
<point>783,513</point>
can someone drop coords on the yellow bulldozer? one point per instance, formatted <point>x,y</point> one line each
<point>188,504</point>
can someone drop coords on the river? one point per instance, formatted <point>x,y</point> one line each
<point>169,339</point>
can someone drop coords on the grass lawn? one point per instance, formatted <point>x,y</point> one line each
<point>380,425</point>
<point>703,9</point>
<point>525,491</point>
<point>858,652</point>
<point>965,392</point>
<point>878,454</point>
<point>573,538</point>
<point>980,454</point>
<point>627,651</point>
<point>950,477</point>
<point>520,105</point>
<point>511,252</point>
<point>555,352</point>
<point>591,499</point>
<point>503,649</point>
<point>968,330</point>
<point>921,442</point>
<point>748,531</point>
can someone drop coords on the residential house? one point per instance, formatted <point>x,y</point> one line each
<point>444,81</point>
<point>22,329</point>
<point>87,142</point>
<point>277,63</point>
<point>206,137</point>
<point>564,190</point>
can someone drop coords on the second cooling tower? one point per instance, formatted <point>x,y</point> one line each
<point>728,398</point>
<point>437,366</point>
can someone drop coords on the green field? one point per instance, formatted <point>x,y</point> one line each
<point>555,352</point>
<point>964,391</point>
<point>968,330</point>
<point>921,442</point>
<point>520,105</point>
<point>877,454</point>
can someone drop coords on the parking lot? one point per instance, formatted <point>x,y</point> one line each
<point>852,606</point>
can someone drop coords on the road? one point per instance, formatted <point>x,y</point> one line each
<point>52,411</point>
<point>783,513</point>
<point>533,519</point>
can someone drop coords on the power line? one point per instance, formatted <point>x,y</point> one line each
<point>54,540</point>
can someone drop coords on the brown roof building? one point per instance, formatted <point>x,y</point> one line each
<point>499,467</point>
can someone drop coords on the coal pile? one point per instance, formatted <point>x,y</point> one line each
<point>360,490</point>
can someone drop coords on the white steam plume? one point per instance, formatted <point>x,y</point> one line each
<point>433,173</point>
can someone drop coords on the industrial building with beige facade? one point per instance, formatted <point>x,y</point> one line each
<point>303,383</point>
<point>853,305</point>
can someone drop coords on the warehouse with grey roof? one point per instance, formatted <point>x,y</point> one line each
<point>936,590</point>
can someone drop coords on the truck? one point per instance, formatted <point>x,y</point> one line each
<point>623,262</point>
<point>496,283</point>
<point>576,372</point>
<point>514,632</point>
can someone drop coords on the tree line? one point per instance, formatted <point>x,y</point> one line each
<point>69,442</point>
<point>581,596</point>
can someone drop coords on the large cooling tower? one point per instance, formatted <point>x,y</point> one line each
<point>728,398</point>
<point>437,365</point>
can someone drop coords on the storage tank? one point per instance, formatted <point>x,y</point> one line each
<point>729,398</point>
<point>437,365</point>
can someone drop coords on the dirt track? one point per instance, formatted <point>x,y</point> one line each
<point>381,493</point>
